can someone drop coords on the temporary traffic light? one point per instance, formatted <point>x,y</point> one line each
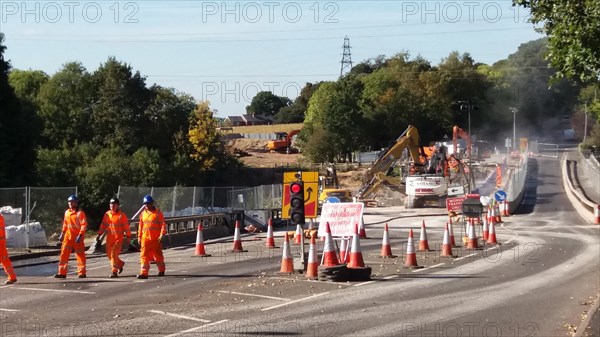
<point>297,203</point>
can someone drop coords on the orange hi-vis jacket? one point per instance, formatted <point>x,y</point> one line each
<point>2,230</point>
<point>152,225</point>
<point>115,224</point>
<point>74,224</point>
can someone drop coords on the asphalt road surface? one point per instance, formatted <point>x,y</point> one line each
<point>540,281</point>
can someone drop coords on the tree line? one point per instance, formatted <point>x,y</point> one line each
<point>107,127</point>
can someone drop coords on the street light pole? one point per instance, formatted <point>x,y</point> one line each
<point>514,111</point>
<point>468,106</point>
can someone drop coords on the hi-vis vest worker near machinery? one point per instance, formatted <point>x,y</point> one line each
<point>4,260</point>
<point>115,225</point>
<point>150,233</point>
<point>72,238</point>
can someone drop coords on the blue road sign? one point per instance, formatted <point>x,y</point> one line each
<point>500,195</point>
<point>332,200</point>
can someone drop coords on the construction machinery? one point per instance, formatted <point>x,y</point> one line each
<point>329,189</point>
<point>282,143</point>
<point>427,173</point>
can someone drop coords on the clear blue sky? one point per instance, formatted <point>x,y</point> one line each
<point>227,51</point>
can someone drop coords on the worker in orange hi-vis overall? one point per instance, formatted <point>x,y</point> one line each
<point>116,226</point>
<point>151,230</point>
<point>4,260</point>
<point>72,238</point>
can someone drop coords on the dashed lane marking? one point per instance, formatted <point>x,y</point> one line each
<point>295,301</point>
<point>179,316</point>
<point>9,310</point>
<point>363,283</point>
<point>55,290</point>
<point>464,257</point>
<point>255,295</point>
<point>197,328</point>
<point>435,265</point>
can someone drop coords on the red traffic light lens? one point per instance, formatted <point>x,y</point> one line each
<point>295,188</point>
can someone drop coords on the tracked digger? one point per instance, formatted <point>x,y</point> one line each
<point>426,174</point>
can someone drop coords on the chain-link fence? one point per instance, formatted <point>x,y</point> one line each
<point>45,205</point>
<point>180,201</point>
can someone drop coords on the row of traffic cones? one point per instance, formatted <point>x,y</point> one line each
<point>447,244</point>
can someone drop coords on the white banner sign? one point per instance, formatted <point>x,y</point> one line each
<point>342,218</point>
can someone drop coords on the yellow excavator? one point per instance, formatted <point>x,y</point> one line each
<point>378,173</point>
<point>428,175</point>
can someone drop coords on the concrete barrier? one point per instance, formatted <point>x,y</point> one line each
<point>586,208</point>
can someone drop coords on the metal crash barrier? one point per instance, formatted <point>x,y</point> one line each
<point>182,230</point>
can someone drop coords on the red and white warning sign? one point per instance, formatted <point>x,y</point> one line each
<point>342,218</point>
<point>454,204</point>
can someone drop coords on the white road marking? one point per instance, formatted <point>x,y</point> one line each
<point>10,310</point>
<point>56,290</point>
<point>296,301</point>
<point>464,257</point>
<point>255,295</point>
<point>390,277</point>
<point>179,316</point>
<point>435,265</point>
<point>363,283</point>
<point>196,328</point>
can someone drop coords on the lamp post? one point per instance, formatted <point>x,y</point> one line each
<point>468,106</point>
<point>514,111</point>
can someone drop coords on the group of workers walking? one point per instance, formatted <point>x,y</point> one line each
<point>115,227</point>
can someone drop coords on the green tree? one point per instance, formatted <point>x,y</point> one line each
<point>295,113</point>
<point>208,150</point>
<point>334,122</point>
<point>64,107</point>
<point>521,82</point>
<point>572,30</point>
<point>17,160</point>
<point>266,103</point>
<point>165,119</point>
<point>119,102</point>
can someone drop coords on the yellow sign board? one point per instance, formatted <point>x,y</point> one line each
<point>523,144</point>
<point>311,191</point>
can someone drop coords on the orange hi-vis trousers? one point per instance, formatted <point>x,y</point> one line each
<point>113,250</point>
<point>151,250</point>
<point>68,247</point>
<point>5,261</point>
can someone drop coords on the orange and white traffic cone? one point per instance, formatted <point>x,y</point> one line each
<point>451,234</point>
<point>344,256</point>
<point>411,256</point>
<point>472,239</point>
<point>299,234</point>
<point>506,208</point>
<point>270,243</point>
<point>498,218</point>
<point>597,215</point>
<point>362,232</point>
<point>446,245</point>
<point>329,254</point>
<point>423,243</point>
<point>287,262</point>
<point>237,241</point>
<point>356,257</point>
<point>485,227</point>
<point>492,235</point>
<point>200,249</point>
<point>386,248</point>
<point>312,265</point>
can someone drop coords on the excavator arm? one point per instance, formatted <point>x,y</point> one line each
<point>460,133</point>
<point>377,173</point>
